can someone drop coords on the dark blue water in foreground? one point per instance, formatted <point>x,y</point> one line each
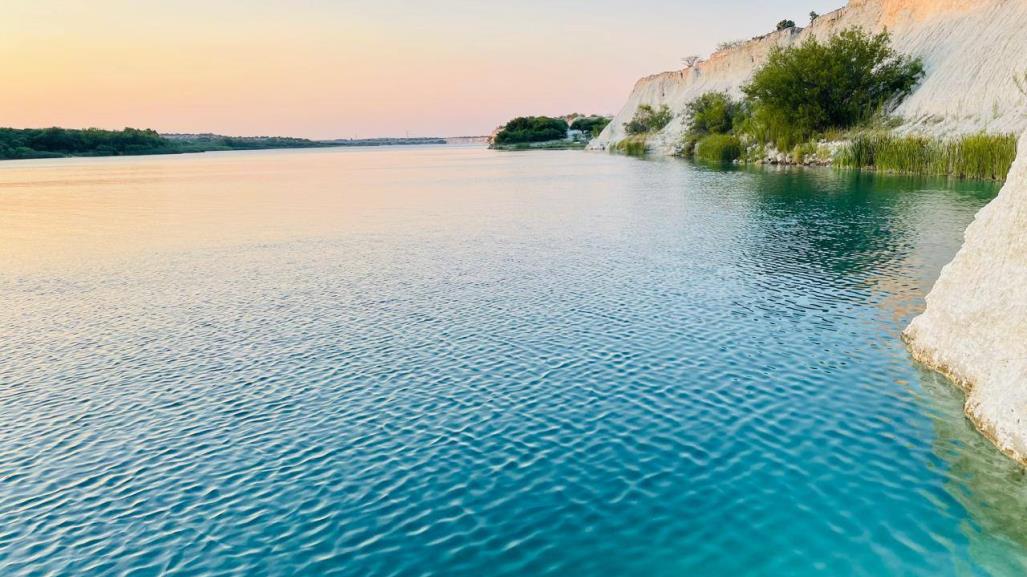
<point>451,362</point>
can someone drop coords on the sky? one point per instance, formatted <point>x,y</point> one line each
<point>349,68</point>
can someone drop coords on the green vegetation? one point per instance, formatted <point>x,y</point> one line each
<point>805,90</point>
<point>634,145</point>
<point>722,148</point>
<point>591,125</point>
<point>836,90</point>
<point>58,142</point>
<point>181,143</point>
<point>713,113</point>
<point>648,120</point>
<point>785,24</point>
<point>980,156</point>
<point>55,142</point>
<point>527,129</point>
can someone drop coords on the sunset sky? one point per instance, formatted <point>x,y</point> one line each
<point>347,68</point>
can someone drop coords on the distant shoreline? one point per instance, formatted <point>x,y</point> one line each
<point>41,143</point>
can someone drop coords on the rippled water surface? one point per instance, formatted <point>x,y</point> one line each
<point>452,362</point>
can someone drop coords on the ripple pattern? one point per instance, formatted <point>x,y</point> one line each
<point>615,368</point>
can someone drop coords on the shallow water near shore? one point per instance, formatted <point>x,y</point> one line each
<point>457,362</point>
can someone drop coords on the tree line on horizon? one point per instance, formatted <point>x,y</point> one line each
<point>56,142</point>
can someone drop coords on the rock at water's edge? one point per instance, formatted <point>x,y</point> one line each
<point>975,327</point>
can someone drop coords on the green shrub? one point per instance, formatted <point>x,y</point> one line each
<point>712,113</point>
<point>806,89</point>
<point>648,119</point>
<point>785,24</point>
<point>721,148</point>
<point>980,156</point>
<point>532,129</point>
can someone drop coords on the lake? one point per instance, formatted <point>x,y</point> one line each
<point>448,361</point>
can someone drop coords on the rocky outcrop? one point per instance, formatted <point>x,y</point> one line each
<point>972,49</point>
<point>975,326</point>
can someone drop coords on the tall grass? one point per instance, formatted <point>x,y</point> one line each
<point>979,156</point>
<point>721,148</point>
<point>634,145</point>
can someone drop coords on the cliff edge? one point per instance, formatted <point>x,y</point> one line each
<point>975,326</point>
<point>972,49</point>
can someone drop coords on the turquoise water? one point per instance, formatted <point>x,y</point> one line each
<point>452,362</point>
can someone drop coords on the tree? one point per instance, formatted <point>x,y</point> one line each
<point>836,84</point>
<point>532,129</point>
<point>690,61</point>
<point>785,24</point>
<point>591,125</point>
<point>813,17</point>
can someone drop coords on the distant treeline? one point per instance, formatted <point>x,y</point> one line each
<point>17,143</point>
<point>57,142</point>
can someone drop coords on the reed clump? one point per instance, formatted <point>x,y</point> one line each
<point>722,148</point>
<point>977,156</point>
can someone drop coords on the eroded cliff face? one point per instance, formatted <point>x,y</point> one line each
<point>972,49</point>
<point>975,326</point>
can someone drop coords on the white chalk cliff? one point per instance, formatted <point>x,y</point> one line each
<point>972,50</point>
<point>975,326</point>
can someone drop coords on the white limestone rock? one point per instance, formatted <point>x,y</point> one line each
<point>975,327</point>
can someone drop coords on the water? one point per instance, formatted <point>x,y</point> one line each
<point>447,361</point>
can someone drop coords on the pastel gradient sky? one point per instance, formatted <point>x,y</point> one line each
<point>345,68</point>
